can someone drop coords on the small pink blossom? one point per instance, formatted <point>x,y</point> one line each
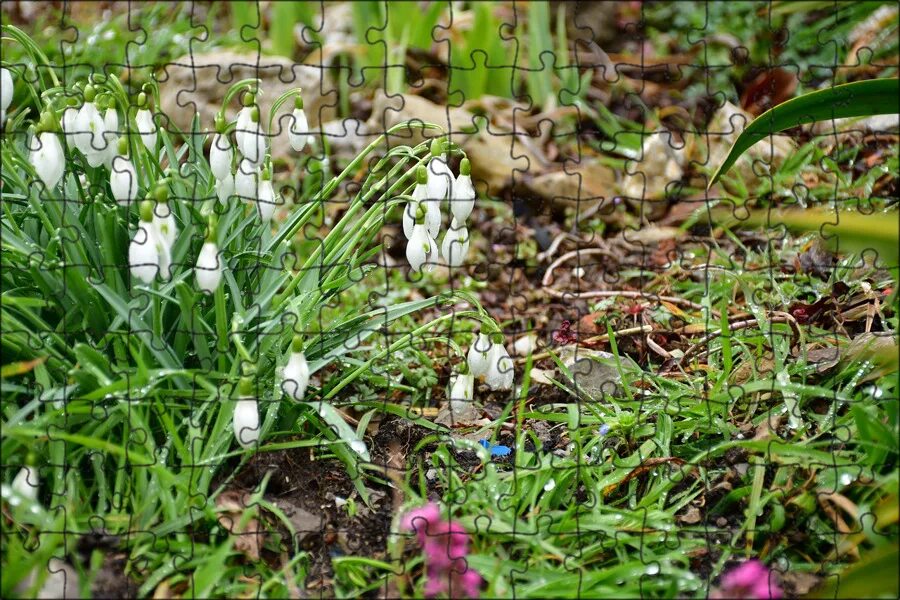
<point>750,580</point>
<point>446,545</point>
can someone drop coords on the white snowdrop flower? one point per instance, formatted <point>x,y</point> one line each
<point>47,158</point>
<point>265,198</point>
<point>455,246</point>
<point>478,355</point>
<point>253,142</point>
<point>246,181</point>
<point>246,421</point>
<point>298,132</point>
<point>421,250</point>
<point>243,124</point>
<point>70,116</point>
<point>6,92</point>
<point>146,126</point>
<point>26,481</point>
<point>209,267</point>
<point>111,125</point>
<point>144,250</point>
<point>439,174</point>
<point>165,231</point>
<point>500,373</point>
<point>123,180</point>
<point>432,213</point>
<point>220,155</point>
<point>462,193</point>
<point>90,129</point>
<point>462,392</point>
<point>296,373</point>
<point>225,188</point>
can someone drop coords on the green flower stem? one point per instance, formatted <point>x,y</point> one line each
<point>221,326</point>
<point>279,101</point>
<point>36,53</point>
<point>251,83</point>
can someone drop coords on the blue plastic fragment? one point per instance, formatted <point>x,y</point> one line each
<point>496,449</point>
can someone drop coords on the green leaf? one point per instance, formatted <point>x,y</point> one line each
<point>857,99</point>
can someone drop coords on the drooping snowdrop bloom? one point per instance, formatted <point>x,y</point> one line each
<point>244,120</point>
<point>246,415</point>
<point>455,246</point>
<point>6,92</point>
<point>224,188</point>
<point>70,116</point>
<point>146,126</point>
<point>265,197</point>
<point>253,142</point>
<point>462,392</point>
<point>47,157</point>
<point>462,193</point>
<point>145,248</point>
<point>26,481</point>
<point>123,179</point>
<point>111,127</point>
<point>478,355</point>
<point>298,133</point>
<point>246,181</point>
<point>421,250</point>
<point>220,151</point>
<point>296,373</point>
<point>439,174</point>
<point>165,231</point>
<point>500,373</point>
<point>90,130</point>
<point>209,265</point>
<point>432,209</point>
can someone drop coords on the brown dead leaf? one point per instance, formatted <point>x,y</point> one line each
<point>232,506</point>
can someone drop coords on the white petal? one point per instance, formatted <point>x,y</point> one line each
<point>220,153</point>
<point>89,130</point>
<point>123,180</point>
<point>463,198</point>
<point>298,131</point>
<point>296,376</point>
<point>253,144</point>
<point>478,355</point>
<point>6,88</point>
<point>225,188</point>
<point>147,128</point>
<point>500,373</point>
<point>208,268</point>
<point>48,159</point>
<point>246,422</point>
<point>266,202</point>
<point>455,246</point>
<point>26,481</point>
<point>421,250</point>
<point>70,117</point>
<point>164,222</point>
<point>409,218</point>
<point>439,178</point>
<point>242,126</point>
<point>143,254</point>
<point>246,181</point>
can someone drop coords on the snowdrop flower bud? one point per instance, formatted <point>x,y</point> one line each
<point>478,355</point>
<point>123,180</point>
<point>253,145</point>
<point>26,482</point>
<point>144,250</point>
<point>209,265</point>
<point>246,181</point>
<point>265,197</point>
<point>420,193</point>
<point>500,373</point>
<point>6,92</point>
<point>246,415</point>
<point>421,250</point>
<point>220,151</point>
<point>462,194</point>
<point>462,392</point>
<point>296,372</point>
<point>89,129</point>
<point>439,173</point>
<point>47,158</point>
<point>298,131</point>
<point>145,124</point>
<point>455,246</point>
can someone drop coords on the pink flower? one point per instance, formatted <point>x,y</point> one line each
<point>750,580</point>
<point>446,545</point>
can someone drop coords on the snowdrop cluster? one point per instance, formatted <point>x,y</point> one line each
<point>422,216</point>
<point>489,359</point>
